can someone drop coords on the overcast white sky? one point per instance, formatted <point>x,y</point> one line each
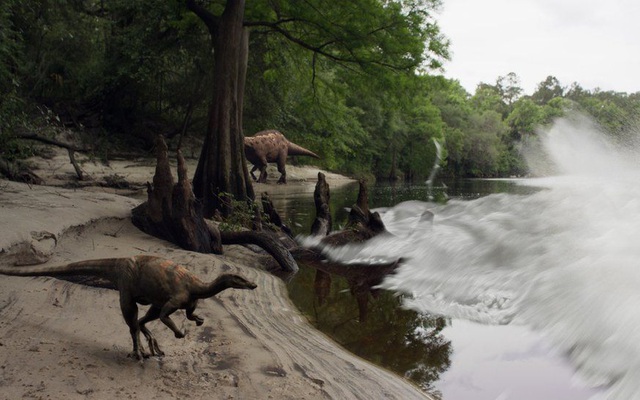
<point>593,42</point>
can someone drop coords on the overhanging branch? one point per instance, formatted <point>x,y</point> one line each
<point>210,20</point>
<point>321,48</point>
<point>70,149</point>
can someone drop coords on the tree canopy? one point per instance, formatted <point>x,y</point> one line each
<point>364,93</point>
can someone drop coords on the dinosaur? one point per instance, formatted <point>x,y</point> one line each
<point>146,280</point>
<point>271,146</point>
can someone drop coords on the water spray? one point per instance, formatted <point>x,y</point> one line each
<point>434,169</point>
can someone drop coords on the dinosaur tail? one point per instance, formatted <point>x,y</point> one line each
<point>103,268</point>
<point>295,150</point>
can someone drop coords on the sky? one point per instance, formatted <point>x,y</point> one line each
<point>595,43</point>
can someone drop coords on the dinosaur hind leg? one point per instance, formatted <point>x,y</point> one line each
<point>283,172</point>
<point>151,315</point>
<point>130,314</point>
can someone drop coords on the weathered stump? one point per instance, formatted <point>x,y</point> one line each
<point>362,224</point>
<point>172,212</point>
<point>274,217</point>
<point>322,224</point>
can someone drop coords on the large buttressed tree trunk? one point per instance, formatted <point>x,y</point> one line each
<point>393,35</point>
<point>222,167</point>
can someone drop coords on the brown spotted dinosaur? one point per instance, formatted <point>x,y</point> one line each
<point>146,280</point>
<point>271,146</point>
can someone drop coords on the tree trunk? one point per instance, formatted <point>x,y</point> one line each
<point>393,173</point>
<point>222,167</point>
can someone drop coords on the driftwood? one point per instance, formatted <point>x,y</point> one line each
<point>362,224</point>
<point>70,149</point>
<point>271,244</point>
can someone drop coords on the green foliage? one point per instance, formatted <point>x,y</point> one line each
<point>483,132</point>
<point>525,117</point>
<point>488,97</point>
<point>11,104</point>
<point>389,34</point>
<point>360,92</point>
<point>111,67</point>
<point>343,101</point>
<point>547,90</point>
<point>242,215</point>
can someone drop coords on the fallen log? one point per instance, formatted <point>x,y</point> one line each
<point>70,149</point>
<point>269,243</point>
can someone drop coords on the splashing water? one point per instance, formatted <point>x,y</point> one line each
<point>435,168</point>
<point>565,260</point>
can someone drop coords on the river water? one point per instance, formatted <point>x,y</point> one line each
<point>515,289</point>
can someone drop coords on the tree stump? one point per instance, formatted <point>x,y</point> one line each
<point>274,217</point>
<point>322,224</point>
<point>172,212</point>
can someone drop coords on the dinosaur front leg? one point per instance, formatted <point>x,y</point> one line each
<point>169,323</point>
<point>167,310</point>
<point>192,317</point>
<point>254,169</point>
<point>262,166</point>
<point>151,315</point>
<point>263,174</point>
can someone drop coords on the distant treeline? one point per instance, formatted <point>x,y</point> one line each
<point>124,71</point>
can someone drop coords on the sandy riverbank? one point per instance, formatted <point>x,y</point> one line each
<point>63,340</point>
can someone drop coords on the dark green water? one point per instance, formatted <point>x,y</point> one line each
<point>371,323</point>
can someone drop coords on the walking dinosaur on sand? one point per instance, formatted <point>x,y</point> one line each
<point>271,146</point>
<point>146,280</point>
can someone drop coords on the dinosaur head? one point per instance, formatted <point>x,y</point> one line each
<point>237,282</point>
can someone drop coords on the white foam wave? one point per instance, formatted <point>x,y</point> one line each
<point>565,260</point>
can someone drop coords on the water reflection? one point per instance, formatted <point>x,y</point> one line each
<point>343,302</point>
<point>371,324</point>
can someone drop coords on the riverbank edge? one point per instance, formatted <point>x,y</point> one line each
<point>277,351</point>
